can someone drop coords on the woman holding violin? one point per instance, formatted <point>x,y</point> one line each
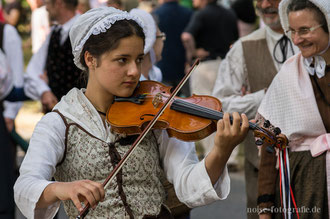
<point>77,146</point>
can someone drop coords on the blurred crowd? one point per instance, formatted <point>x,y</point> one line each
<point>241,46</point>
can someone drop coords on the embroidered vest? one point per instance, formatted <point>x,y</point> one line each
<point>62,73</point>
<point>135,192</point>
<point>261,71</point>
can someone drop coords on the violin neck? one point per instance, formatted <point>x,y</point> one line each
<point>201,111</point>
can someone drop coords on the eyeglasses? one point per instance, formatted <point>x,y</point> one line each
<point>303,31</point>
<point>162,36</point>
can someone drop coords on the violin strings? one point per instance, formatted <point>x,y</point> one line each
<point>217,114</point>
<point>190,106</point>
<point>200,108</point>
<point>202,111</point>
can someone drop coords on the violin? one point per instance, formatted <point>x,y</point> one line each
<point>188,119</point>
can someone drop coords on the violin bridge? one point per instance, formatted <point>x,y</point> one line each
<point>157,100</point>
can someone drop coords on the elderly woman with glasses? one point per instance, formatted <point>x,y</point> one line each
<point>298,101</point>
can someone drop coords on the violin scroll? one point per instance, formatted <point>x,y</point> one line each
<point>270,138</point>
<point>282,141</point>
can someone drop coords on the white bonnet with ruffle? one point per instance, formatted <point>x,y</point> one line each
<point>94,22</point>
<point>150,27</point>
<point>319,63</point>
<point>323,5</point>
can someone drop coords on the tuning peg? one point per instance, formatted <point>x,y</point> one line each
<point>266,124</point>
<point>259,142</point>
<point>270,149</point>
<point>277,131</point>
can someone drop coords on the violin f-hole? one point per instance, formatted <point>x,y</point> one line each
<point>144,115</point>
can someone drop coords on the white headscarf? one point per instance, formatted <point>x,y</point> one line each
<point>323,5</point>
<point>319,62</point>
<point>94,22</point>
<point>150,27</point>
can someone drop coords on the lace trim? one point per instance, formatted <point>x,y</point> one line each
<point>101,26</point>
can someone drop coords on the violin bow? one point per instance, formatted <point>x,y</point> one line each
<point>124,159</point>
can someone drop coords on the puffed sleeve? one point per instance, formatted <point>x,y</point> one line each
<point>46,149</point>
<point>34,86</point>
<point>188,175</point>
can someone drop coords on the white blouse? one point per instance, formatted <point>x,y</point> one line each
<point>12,46</point>
<point>181,165</point>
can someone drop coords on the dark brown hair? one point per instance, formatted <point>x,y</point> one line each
<point>297,5</point>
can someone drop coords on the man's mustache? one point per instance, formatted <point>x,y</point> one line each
<point>268,10</point>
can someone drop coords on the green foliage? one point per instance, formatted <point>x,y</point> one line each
<point>24,30</point>
<point>24,27</point>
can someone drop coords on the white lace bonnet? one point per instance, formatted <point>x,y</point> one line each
<point>95,21</point>
<point>323,5</point>
<point>150,27</point>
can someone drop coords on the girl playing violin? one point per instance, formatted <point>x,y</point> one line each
<point>74,143</point>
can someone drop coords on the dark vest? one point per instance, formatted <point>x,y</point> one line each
<point>62,73</point>
<point>260,65</point>
<point>321,87</point>
<point>261,71</point>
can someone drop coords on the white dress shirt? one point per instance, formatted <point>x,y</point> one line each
<point>233,75</point>
<point>47,146</point>
<point>39,27</point>
<point>12,45</point>
<point>34,86</point>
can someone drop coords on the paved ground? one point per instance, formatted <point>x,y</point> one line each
<point>231,208</point>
